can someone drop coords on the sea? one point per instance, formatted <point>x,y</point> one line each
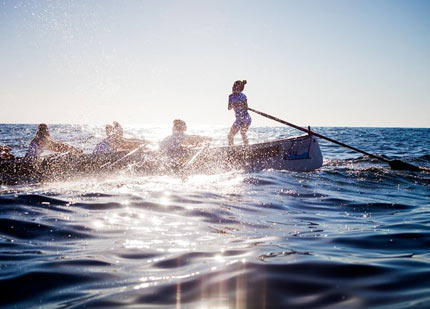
<point>351,234</point>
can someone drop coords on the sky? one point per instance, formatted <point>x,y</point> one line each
<point>317,63</point>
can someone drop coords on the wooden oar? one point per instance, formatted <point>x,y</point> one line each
<point>196,155</point>
<point>394,164</point>
<point>57,156</point>
<point>109,164</point>
<point>51,158</point>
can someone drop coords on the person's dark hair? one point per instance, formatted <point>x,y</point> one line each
<point>117,129</point>
<point>42,130</point>
<point>5,153</point>
<point>109,130</point>
<point>179,125</point>
<point>239,85</point>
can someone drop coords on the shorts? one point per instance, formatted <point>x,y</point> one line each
<point>242,122</point>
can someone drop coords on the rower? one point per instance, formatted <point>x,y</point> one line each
<point>115,141</point>
<point>43,141</point>
<point>178,140</point>
<point>104,145</point>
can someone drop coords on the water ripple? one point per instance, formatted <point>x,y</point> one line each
<point>353,234</point>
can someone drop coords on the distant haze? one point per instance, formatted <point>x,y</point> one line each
<point>318,63</point>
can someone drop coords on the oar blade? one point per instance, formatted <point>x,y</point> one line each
<point>400,165</point>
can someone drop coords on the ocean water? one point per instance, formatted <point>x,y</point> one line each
<point>352,234</point>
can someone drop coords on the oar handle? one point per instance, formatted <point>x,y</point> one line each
<point>109,164</point>
<point>317,135</point>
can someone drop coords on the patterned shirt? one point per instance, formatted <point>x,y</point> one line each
<point>237,102</point>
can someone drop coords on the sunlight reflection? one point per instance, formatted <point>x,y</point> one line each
<point>164,201</point>
<point>142,187</point>
<point>145,285</point>
<point>98,224</point>
<point>135,244</point>
<point>154,280</point>
<point>156,220</point>
<point>219,258</point>
<point>225,183</point>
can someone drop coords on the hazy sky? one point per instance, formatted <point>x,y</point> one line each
<point>331,63</point>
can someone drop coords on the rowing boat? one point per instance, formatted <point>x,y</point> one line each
<point>300,153</point>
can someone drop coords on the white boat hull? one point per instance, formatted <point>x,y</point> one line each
<point>300,153</point>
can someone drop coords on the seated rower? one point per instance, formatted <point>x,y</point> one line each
<point>105,145</point>
<point>5,153</point>
<point>43,141</point>
<point>179,140</point>
<point>115,141</point>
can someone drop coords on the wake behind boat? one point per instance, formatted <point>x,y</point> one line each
<point>300,153</point>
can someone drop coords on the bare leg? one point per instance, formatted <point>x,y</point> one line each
<point>244,136</point>
<point>233,132</point>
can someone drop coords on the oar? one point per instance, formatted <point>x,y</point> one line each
<point>108,164</point>
<point>194,158</point>
<point>54,157</point>
<point>394,164</point>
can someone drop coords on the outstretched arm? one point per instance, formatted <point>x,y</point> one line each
<point>62,147</point>
<point>130,143</point>
<point>195,140</point>
<point>139,141</point>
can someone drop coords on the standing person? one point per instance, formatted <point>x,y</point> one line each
<point>43,141</point>
<point>239,103</point>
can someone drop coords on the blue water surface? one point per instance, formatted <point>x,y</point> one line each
<point>352,234</point>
